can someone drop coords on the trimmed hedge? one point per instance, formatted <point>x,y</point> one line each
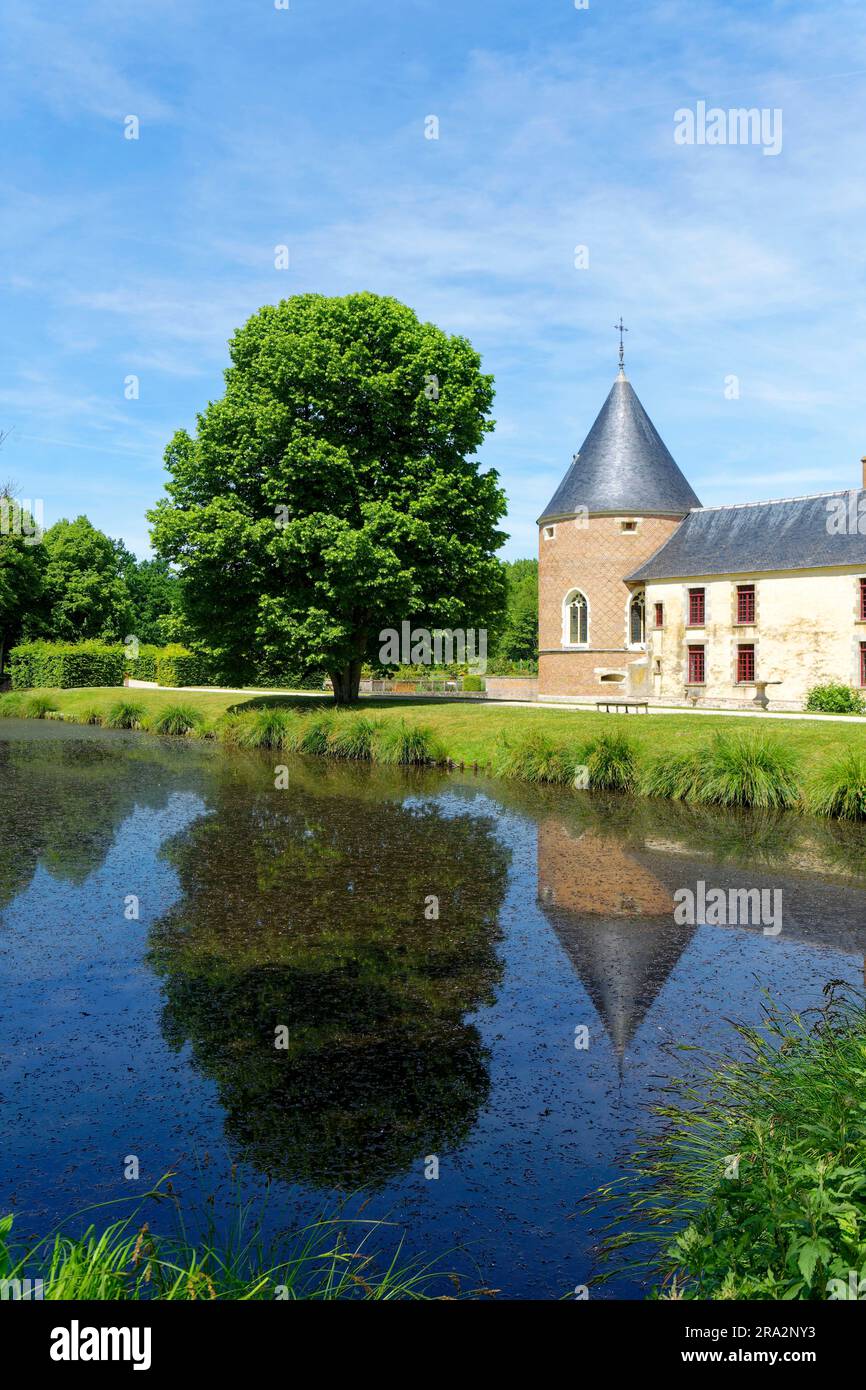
<point>64,665</point>
<point>143,667</point>
<point>181,668</point>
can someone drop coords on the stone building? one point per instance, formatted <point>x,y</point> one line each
<point>643,592</point>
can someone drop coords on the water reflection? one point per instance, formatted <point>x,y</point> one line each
<point>306,911</point>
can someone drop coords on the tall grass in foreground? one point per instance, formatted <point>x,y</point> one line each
<point>329,1259</point>
<point>840,789</point>
<point>534,757</point>
<point>756,1186</point>
<point>733,770</point>
<point>674,776</point>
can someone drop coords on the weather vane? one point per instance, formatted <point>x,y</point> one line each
<point>621,328</point>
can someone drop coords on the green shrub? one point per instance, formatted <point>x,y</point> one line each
<point>63,665</point>
<point>473,682</point>
<point>747,770</point>
<point>177,719</point>
<point>611,762</point>
<point>37,707</point>
<point>178,667</point>
<point>675,776</point>
<point>533,757</point>
<point>835,699</point>
<point>840,789</point>
<point>791,1216</point>
<point>352,736</point>
<point>143,667</point>
<point>397,742</point>
<point>10,705</point>
<point>126,714</point>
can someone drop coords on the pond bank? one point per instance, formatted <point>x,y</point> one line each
<point>812,764</point>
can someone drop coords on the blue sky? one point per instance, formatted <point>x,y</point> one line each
<point>260,127</point>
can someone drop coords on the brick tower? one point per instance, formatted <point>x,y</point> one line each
<point>622,498</point>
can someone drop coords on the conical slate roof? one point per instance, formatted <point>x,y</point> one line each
<point>623,466</point>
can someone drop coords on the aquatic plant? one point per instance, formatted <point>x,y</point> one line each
<point>611,762</point>
<point>754,1187</point>
<point>126,714</point>
<point>328,1259</point>
<point>406,744</point>
<point>840,789</point>
<point>352,736</point>
<point>746,770</point>
<point>177,719</point>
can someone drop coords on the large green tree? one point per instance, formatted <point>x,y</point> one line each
<point>333,491</point>
<point>518,638</point>
<point>154,594</point>
<point>84,593</point>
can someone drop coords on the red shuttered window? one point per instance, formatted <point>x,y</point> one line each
<point>745,662</point>
<point>697,666</point>
<point>660,615</point>
<point>697,607</point>
<point>863,663</point>
<point>745,603</point>
<point>863,600</point>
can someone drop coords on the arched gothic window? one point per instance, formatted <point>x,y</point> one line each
<point>637,620</point>
<point>577,619</point>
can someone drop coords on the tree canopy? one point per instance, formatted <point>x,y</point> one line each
<point>22,562</point>
<point>332,491</point>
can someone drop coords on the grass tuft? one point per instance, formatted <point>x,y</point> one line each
<point>611,761</point>
<point>747,770</point>
<point>311,734</point>
<point>10,705</point>
<point>37,707</point>
<point>407,745</point>
<point>177,719</point>
<point>126,714</point>
<point>675,776</point>
<point>534,757</point>
<point>352,736</point>
<point>840,789</point>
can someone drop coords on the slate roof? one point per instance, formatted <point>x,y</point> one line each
<point>790,534</point>
<point>623,466</point>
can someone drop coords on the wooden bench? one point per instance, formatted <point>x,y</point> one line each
<point>626,705</point>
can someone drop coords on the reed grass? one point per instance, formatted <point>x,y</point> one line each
<point>747,770</point>
<point>328,1259</point>
<point>534,757</point>
<point>674,776</point>
<point>38,707</point>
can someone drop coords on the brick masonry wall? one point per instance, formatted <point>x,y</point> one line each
<point>511,687</point>
<point>592,557</point>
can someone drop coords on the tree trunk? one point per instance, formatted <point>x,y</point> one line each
<point>346,682</point>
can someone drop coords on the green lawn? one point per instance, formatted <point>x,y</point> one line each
<point>471,732</point>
